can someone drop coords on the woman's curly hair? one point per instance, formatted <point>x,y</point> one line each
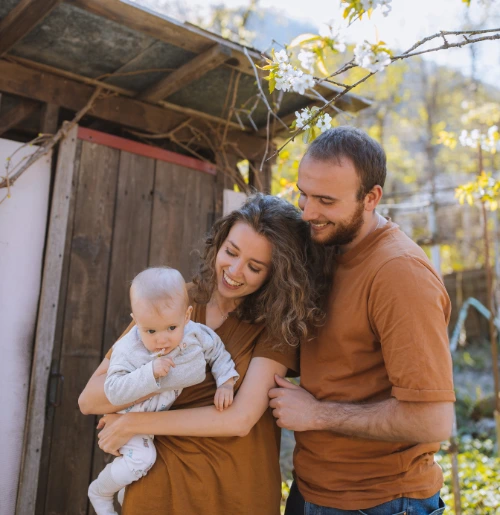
<point>288,302</point>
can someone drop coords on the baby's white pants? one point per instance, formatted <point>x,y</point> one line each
<point>138,455</point>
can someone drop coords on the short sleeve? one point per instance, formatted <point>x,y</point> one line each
<point>110,351</point>
<point>284,354</point>
<point>409,311</point>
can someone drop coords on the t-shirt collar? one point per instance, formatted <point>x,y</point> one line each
<point>366,243</point>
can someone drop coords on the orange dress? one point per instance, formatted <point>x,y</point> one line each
<point>217,476</point>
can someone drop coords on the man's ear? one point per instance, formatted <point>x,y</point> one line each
<point>373,197</point>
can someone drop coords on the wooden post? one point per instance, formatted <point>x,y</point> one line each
<point>491,322</point>
<point>223,180</point>
<point>49,122</point>
<point>46,325</point>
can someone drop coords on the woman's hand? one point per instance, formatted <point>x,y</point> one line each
<point>113,434</point>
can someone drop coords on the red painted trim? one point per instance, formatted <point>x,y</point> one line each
<point>101,138</point>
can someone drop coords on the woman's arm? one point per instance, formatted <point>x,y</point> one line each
<point>249,405</point>
<point>93,400</point>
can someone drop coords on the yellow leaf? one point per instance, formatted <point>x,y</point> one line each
<point>272,84</point>
<point>321,65</point>
<point>303,38</point>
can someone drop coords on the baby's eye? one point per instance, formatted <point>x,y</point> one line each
<point>172,328</point>
<point>151,331</point>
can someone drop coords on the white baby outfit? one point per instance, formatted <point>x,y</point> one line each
<point>130,376</point>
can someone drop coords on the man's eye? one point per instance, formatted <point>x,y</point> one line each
<point>326,202</point>
<point>151,331</point>
<point>172,328</point>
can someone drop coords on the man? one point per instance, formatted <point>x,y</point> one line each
<point>376,394</point>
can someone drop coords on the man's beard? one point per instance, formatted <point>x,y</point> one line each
<point>346,231</point>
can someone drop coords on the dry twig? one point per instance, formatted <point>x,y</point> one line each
<point>51,142</point>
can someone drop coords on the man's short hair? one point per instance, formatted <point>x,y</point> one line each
<point>366,154</point>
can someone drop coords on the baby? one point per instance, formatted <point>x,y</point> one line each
<point>162,354</point>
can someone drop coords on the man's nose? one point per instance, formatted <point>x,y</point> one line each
<point>308,211</point>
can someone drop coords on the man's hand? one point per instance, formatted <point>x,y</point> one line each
<point>224,395</point>
<point>162,366</point>
<point>294,408</point>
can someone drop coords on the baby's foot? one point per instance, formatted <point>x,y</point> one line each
<point>103,504</point>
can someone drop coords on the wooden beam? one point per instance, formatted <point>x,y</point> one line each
<point>49,120</point>
<point>46,324</point>
<point>169,31</point>
<point>121,91</point>
<point>22,19</point>
<point>190,72</point>
<point>127,112</point>
<point>17,114</point>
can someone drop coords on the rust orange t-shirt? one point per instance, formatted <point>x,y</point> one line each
<point>385,335</point>
<point>214,476</point>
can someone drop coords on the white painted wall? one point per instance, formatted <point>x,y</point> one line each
<point>23,221</point>
<point>232,200</point>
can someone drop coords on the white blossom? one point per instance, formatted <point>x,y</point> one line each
<point>489,142</point>
<point>371,58</point>
<point>281,56</point>
<point>307,58</point>
<point>492,131</point>
<point>302,82</point>
<point>335,34</point>
<point>302,118</point>
<point>282,84</point>
<point>385,5</point>
<point>324,122</point>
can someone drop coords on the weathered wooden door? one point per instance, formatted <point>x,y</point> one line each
<point>128,211</point>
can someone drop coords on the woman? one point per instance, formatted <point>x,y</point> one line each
<point>254,290</point>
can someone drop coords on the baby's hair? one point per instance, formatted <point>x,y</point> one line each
<point>160,284</point>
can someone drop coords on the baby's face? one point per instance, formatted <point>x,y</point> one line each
<point>161,327</point>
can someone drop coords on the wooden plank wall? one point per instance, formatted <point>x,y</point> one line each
<point>129,212</point>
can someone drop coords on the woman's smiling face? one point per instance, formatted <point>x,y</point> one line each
<point>243,262</point>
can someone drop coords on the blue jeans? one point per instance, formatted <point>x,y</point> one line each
<point>296,505</point>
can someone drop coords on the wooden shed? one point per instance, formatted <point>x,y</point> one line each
<point>136,183</point>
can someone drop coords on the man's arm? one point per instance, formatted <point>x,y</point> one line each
<point>390,420</point>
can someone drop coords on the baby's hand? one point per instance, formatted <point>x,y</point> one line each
<point>162,366</point>
<point>224,395</point>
